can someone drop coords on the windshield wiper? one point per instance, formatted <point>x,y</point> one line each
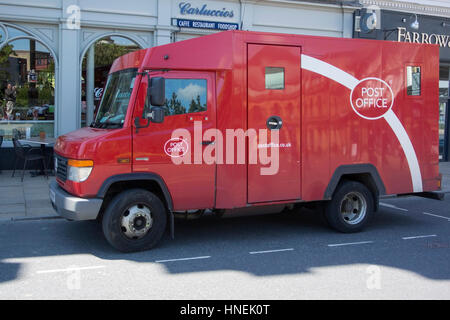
<point>110,124</point>
<point>104,125</point>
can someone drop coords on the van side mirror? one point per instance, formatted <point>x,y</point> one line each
<point>156,115</point>
<point>157,92</point>
<point>157,96</point>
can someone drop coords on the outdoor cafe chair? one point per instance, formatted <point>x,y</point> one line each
<point>27,155</point>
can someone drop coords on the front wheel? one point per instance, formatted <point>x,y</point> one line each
<point>350,208</point>
<point>134,220</point>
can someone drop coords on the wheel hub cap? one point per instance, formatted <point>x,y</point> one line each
<point>353,208</point>
<point>136,221</point>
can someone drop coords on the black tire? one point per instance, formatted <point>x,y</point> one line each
<point>118,208</point>
<point>218,214</point>
<point>351,207</point>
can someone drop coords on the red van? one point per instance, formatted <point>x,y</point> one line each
<point>249,119</point>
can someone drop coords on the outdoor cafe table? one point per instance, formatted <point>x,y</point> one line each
<point>43,142</point>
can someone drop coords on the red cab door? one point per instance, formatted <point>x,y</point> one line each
<point>190,102</point>
<point>274,109</point>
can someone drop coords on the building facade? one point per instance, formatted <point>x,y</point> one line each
<point>57,52</point>
<point>55,39</point>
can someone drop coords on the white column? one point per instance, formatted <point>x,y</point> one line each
<point>347,23</point>
<point>90,83</point>
<point>163,27</point>
<point>68,105</point>
<point>247,15</point>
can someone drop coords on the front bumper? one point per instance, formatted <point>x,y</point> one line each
<point>71,207</point>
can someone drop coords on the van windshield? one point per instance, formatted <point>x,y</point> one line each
<point>114,105</point>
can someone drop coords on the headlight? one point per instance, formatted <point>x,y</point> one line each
<point>79,170</point>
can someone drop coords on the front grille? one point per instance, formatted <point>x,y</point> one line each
<point>61,171</point>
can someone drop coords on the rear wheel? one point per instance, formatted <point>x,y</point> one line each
<point>351,207</point>
<point>134,220</point>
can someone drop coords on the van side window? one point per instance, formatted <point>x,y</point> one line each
<point>274,78</point>
<point>413,81</point>
<point>185,96</point>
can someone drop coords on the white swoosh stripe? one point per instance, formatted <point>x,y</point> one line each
<point>408,149</point>
<point>329,71</point>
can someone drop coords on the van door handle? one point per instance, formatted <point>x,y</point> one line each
<point>205,143</point>
<point>274,123</point>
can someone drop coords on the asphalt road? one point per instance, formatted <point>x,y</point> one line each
<point>403,254</point>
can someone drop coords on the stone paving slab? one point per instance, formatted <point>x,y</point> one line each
<point>12,209</point>
<point>11,195</point>
<point>27,199</point>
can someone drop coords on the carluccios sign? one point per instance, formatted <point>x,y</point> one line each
<point>186,8</point>
<point>204,16</point>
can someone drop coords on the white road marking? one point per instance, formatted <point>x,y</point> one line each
<point>348,243</point>
<point>69,269</point>
<point>269,251</point>
<point>435,215</point>
<point>183,259</point>
<point>418,237</point>
<point>392,206</point>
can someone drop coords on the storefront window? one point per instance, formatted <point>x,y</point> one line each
<point>2,34</point>
<point>413,81</point>
<point>95,71</point>
<point>27,88</point>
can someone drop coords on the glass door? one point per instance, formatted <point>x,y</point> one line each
<point>442,116</point>
<point>443,111</point>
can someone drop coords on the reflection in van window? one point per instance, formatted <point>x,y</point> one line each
<point>274,78</point>
<point>185,96</point>
<point>115,100</point>
<point>413,81</point>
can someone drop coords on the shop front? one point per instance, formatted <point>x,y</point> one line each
<point>416,28</point>
<point>55,55</point>
<point>54,61</point>
<point>27,84</point>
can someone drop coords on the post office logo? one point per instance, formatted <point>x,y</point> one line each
<point>371,98</point>
<point>176,147</point>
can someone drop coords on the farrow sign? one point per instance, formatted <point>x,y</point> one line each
<point>423,37</point>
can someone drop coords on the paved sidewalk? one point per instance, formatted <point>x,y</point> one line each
<point>29,199</point>
<point>444,168</point>
<point>24,200</point>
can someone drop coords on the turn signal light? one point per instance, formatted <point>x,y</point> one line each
<point>123,160</point>
<point>80,163</point>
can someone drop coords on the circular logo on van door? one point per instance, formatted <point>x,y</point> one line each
<point>371,98</point>
<point>176,147</point>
